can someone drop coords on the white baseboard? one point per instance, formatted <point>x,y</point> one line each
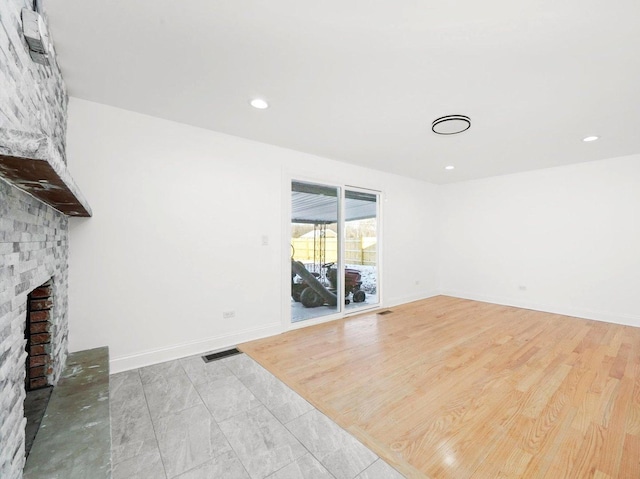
<point>410,299</point>
<point>154,356</point>
<point>604,316</point>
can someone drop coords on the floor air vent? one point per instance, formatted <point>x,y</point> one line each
<point>386,311</point>
<point>207,358</point>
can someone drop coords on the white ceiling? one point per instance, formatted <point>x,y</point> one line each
<point>361,81</point>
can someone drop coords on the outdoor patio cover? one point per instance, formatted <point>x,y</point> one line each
<point>316,204</point>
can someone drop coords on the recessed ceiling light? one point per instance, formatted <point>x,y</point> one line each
<point>450,167</point>
<point>259,103</point>
<point>590,138</point>
<point>451,124</point>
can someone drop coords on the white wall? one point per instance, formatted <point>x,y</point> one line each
<point>179,214</point>
<point>570,235</point>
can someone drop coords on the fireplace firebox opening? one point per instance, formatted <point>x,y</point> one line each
<point>38,336</point>
<point>39,366</point>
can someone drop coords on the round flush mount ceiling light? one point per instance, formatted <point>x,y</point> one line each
<point>259,103</point>
<point>450,167</point>
<point>451,124</point>
<point>590,138</point>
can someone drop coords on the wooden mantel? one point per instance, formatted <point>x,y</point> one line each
<point>30,163</point>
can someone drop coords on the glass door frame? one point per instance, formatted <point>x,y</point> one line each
<point>339,312</point>
<point>378,194</point>
<point>287,180</point>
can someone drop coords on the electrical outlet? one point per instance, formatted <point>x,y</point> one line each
<point>265,240</point>
<point>228,314</point>
<point>522,287</point>
<point>417,282</point>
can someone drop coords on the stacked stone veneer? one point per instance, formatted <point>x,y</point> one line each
<point>33,236</point>
<point>33,249</point>
<point>33,98</point>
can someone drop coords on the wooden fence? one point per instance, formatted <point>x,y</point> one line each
<point>357,251</point>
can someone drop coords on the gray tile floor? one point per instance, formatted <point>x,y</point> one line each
<point>226,419</point>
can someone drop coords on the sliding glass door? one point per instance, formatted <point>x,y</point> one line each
<point>315,250</point>
<point>334,250</point>
<point>361,248</point>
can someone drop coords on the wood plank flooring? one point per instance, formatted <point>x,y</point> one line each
<point>452,388</point>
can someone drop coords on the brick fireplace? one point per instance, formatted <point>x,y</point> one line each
<point>37,334</point>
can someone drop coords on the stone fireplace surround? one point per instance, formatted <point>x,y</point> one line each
<point>33,249</point>
<point>33,236</point>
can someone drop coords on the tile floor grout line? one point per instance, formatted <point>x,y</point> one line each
<point>285,424</point>
<point>235,453</point>
<point>183,410</point>
<point>328,418</point>
<point>311,454</point>
<point>325,415</point>
<point>274,416</point>
<point>153,426</point>
<point>309,412</point>
<point>260,403</point>
<point>235,415</point>
<point>368,467</point>
<point>251,409</point>
<point>248,389</point>
<point>138,374</point>
<point>214,420</point>
<point>303,445</point>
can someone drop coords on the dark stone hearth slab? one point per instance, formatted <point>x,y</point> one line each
<point>35,406</point>
<point>74,440</point>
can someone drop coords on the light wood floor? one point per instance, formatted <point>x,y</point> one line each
<point>451,388</point>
